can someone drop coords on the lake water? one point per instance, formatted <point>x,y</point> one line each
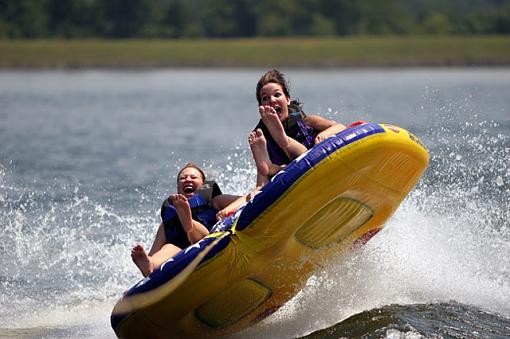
<point>86,158</point>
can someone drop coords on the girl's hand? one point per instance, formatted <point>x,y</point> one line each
<point>222,215</point>
<point>321,137</point>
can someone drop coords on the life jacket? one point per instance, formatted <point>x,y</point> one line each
<point>201,211</point>
<point>295,128</point>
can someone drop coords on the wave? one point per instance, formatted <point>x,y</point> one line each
<point>441,320</point>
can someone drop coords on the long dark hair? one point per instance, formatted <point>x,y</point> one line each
<point>274,76</point>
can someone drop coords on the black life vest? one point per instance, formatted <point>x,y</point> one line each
<point>201,211</point>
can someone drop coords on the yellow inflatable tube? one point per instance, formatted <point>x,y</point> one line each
<point>336,196</point>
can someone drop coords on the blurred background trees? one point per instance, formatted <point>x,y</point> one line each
<point>20,19</point>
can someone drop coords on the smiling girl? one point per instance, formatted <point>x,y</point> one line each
<point>187,217</point>
<point>284,131</point>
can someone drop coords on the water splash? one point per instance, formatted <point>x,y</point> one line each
<point>449,240</point>
<point>60,251</point>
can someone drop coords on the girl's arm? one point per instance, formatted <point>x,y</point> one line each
<point>294,148</point>
<point>224,208</point>
<point>326,127</point>
<point>221,201</point>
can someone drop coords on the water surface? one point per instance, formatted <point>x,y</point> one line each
<point>86,157</point>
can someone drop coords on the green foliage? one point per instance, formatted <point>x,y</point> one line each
<point>382,17</point>
<point>437,23</point>
<point>322,26</point>
<point>23,18</point>
<point>248,18</point>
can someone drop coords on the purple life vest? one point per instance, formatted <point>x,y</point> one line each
<point>295,128</point>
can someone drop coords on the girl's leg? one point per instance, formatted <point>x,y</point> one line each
<point>258,147</point>
<point>292,148</point>
<point>195,230</point>
<point>148,263</point>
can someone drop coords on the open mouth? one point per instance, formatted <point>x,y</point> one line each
<point>188,189</point>
<point>278,110</point>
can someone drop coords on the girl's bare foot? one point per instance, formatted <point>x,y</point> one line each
<point>183,211</point>
<point>257,143</point>
<point>142,260</point>
<point>270,118</point>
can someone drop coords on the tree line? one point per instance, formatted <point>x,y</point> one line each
<point>22,19</point>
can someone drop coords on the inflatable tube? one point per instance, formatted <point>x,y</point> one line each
<point>336,196</point>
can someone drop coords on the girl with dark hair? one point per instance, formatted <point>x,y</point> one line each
<point>284,131</point>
